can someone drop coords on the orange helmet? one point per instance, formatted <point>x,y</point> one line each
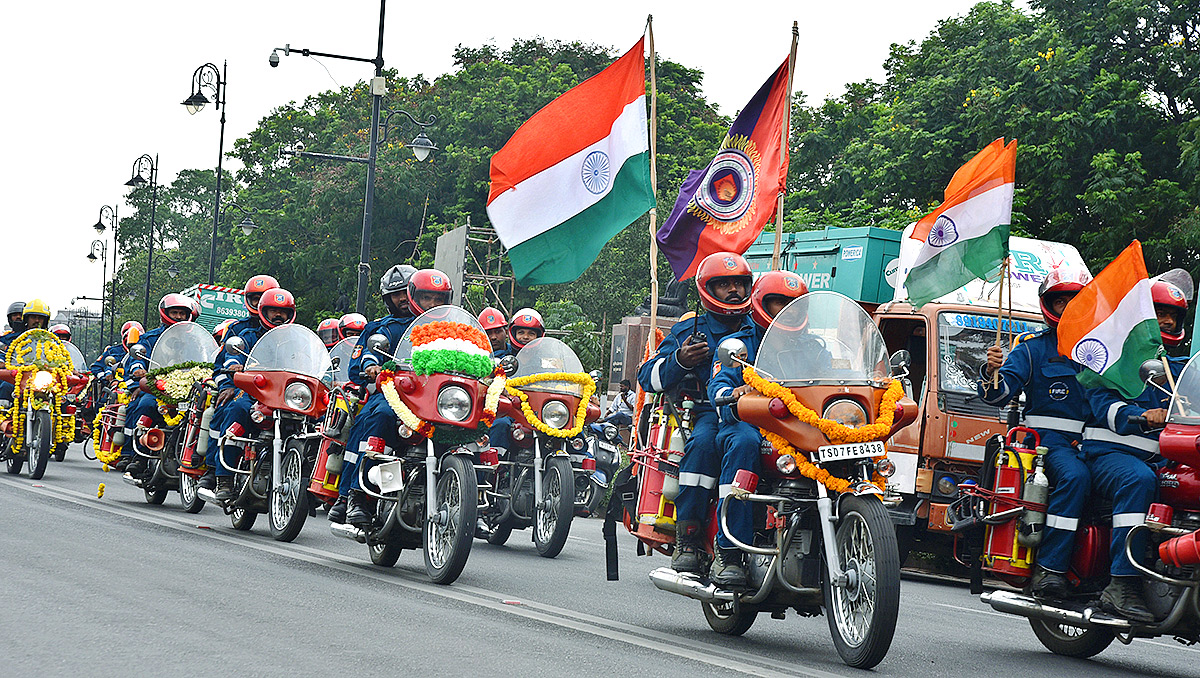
<point>720,265</point>
<point>222,329</point>
<point>491,318</point>
<point>1057,282</point>
<point>1167,296</point>
<point>131,331</point>
<point>773,283</point>
<point>526,318</point>
<point>328,332</point>
<point>257,285</point>
<point>177,301</point>
<point>276,297</point>
<point>428,280</point>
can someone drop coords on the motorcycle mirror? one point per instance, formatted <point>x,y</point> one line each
<point>236,345</point>
<point>732,351</point>
<point>378,343</point>
<point>901,361</point>
<point>335,361</point>
<point>110,361</point>
<point>138,351</point>
<point>1152,371</point>
<point>509,364</point>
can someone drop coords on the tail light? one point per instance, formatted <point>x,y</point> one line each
<point>589,464</point>
<point>489,456</point>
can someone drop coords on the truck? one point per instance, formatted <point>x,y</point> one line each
<point>217,304</point>
<point>946,341</point>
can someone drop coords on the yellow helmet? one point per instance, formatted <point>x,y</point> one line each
<point>36,307</point>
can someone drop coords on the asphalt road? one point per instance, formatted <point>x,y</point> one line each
<point>115,587</point>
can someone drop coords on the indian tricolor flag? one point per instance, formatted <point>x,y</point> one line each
<point>574,175</point>
<point>1110,327</point>
<point>967,236</point>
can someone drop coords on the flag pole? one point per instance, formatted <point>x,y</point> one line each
<point>653,188</point>
<point>1000,314</point>
<point>787,125</point>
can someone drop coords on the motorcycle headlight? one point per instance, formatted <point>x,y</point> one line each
<point>848,413</point>
<point>577,444</point>
<point>610,433</point>
<point>43,380</point>
<point>298,396</point>
<point>555,414</point>
<point>454,403</point>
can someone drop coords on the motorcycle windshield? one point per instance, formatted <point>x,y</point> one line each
<point>289,348</point>
<point>823,337</point>
<point>339,361</point>
<point>451,314</point>
<point>1185,405</point>
<point>546,355</point>
<point>183,342</point>
<point>77,361</point>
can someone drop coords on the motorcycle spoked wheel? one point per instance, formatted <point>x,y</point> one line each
<point>12,463</point>
<point>188,497</point>
<point>732,618</point>
<point>862,615</point>
<point>39,436</point>
<point>288,502</point>
<point>1071,641</point>
<point>552,519</point>
<point>385,553</point>
<point>60,451</point>
<point>158,494</point>
<point>448,537</point>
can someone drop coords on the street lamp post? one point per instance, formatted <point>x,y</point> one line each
<point>147,165</point>
<point>207,77</point>
<point>103,247</point>
<point>110,214</point>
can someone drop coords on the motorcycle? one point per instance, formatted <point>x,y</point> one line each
<point>181,359</point>
<point>826,405</point>
<point>1001,509</point>
<point>41,369</point>
<point>74,402</point>
<point>425,494</point>
<point>604,448</point>
<point>283,375</point>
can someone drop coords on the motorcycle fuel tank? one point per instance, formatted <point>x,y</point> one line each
<point>1179,487</point>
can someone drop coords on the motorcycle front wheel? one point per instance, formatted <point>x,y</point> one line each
<point>552,519</point>
<point>449,535</point>
<point>862,614</point>
<point>191,501</point>
<point>39,436</point>
<point>289,500</point>
<point>1071,641</point>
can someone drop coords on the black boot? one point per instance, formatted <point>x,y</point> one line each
<point>225,489</point>
<point>727,570</point>
<point>356,510</point>
<point>337,512</point>
<point>1048,585</point>
<point>1123,597</point>
<point>686,557</point>
<point>208,481</point>
<point>136,466</point>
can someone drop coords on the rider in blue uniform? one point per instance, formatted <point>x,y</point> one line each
<point>375,428</point>
<point>1119,454</point>
<point>276,307</point>
<point>526,325</point>
<point>739,442</point>
<point>172,308</point>
<point>101,369</point>
<point>16,324</point>
<point>684,362</point>
<point>496,327</point>
<point>1055,407</point>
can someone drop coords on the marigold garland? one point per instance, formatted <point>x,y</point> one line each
<point>170,421</point>
<point>38,350</point>
<point>387,386</point>
<point>584,380</point>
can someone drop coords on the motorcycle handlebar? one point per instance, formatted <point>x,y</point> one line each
<point>1137,419</point>
<point>722,401</point>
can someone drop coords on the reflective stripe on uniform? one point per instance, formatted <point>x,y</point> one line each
<point>351,457</point>
<point>656,378</point>
<point>1062,522</point>
<point>697,480</point>
<point>1053,423</point>
<point>1107,436</point>
<point>1112,414</point>
<point>1120,520</point>
<point>725,490</point>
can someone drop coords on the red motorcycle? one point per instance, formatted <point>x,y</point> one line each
<point>344,403</point>
<point>1001,505</point>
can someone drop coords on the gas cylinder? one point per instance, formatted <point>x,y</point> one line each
<point>1036,491</point>
<point>118,429</point>
<point>205,422</point>
<point>670,488</point>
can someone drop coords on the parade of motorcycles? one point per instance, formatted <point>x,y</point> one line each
<point>546,366</point>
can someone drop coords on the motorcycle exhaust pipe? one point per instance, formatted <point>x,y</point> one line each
<point>136,482</point>
<point>1014,603</point>
<point>669,580</point>
<point>153,439</point>
<point>348,531</point>
<point>1181,551</point>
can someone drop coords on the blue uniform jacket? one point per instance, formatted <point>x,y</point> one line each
<point>148,340</point>
<point>506,351</point>
<point>663,371</point>
<point>5,341</point>
<point>1108,427</point>
<point>1054,400</point>
<point>99,368</point>
<point>222,360</point>
<point>725,380</point>
<point>250,335</point>
<point>389,326</point>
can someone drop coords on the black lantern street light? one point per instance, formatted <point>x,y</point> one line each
<point>101,247</point>
<point>421,146</point>
<point>145,165</point>
<point>208,79</point>
<point>108,217</point>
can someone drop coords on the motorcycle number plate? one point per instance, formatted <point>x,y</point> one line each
<point>827,453</point>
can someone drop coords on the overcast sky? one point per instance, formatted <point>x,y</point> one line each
<point>90,86</point>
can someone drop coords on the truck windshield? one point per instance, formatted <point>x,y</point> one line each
<point>963,340</point>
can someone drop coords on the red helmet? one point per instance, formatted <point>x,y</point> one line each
<point>723,265</point>
<point>491,318</point>
<point>222,329</point>
<point>177,301</point>
<point>328,332</point>
<point>130,326</point>
<point>352,325</point>
<point>773,283</point>
<point>428,280</point>
<point>528,319</point>
<point>276,297</point>
<point>1057,282</point>
<point>1167,296</point>
<point>61,331</point>
<point>257,285</point>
